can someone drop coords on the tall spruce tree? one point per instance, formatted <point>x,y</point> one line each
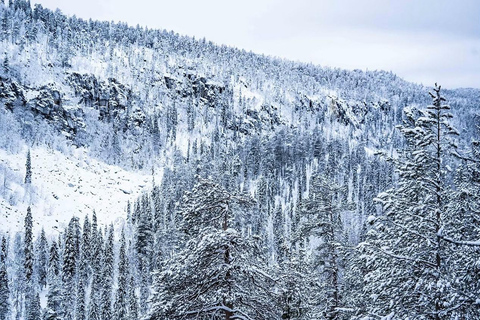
<point>133,309</point>
<point>55,293</point>
<point>121,298</point>
<point>4,289</point>
<point>42,259</point>
<point>107,276</point>
<point>69,268</point>
<point>28,246</point>
<point>409,265</point>
<point>33,309</point>
<point>28,169</point>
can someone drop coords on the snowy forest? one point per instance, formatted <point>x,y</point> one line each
<point>150,175</point>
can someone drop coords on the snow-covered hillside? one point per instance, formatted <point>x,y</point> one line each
<point>249,178</point>
<point>64,186</point>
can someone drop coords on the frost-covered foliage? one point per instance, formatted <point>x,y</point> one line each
<point>412,269</point>
<point>220,273</point>
<point>263,174</point>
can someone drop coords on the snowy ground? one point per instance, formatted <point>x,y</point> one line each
<point>64,186</point>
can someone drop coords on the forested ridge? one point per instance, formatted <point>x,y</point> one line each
<point>277,189</point>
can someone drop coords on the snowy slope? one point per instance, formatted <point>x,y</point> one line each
<point>64,186</point>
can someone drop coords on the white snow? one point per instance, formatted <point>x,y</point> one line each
<point>64,186</point>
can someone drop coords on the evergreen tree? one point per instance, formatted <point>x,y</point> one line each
<point>4,289</point>
<point>54,295</point>
<point>121,301</point>
<point>133,310</point>
<point>144,247</point>
<point>463,233</point>
<point>28,245</point>
<point>298,287</point>
<point>410,266</point>
<point>42,260</point>
<point>28,169</point>
<point>18,287</point>
<point>107,277</point>
<point>94,310</point>
<point>80,301</point>
<point>86,240</point>
<point>53,261</point>
<point>69,268</point>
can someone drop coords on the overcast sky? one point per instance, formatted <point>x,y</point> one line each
<point>423,41</point>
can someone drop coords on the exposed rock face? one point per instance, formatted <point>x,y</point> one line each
<point>45,103</point>
<point>11,94</point>
<point>110,97</point>
<point>49,104</point>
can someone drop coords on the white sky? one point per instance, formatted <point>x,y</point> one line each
<point>423,41</point>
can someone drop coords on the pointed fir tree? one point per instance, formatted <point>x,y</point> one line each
<point>28,169</point>
<point>86,249</point>
<point>297,286</point>
<point>94,308</point>
<point>463,233</point>
<point>42,260</point>
<point>18,288</point>
<point>54,295</point>
<point>4,288</point>
<point>410,267</point>
<point>28,245</point>
<point>121,298</point>
<point>69,268</point>
<point>144,247</point>
<point>133,308</point>
<point>107,276</point>
<point>80,312</point>
<point>70,254</point>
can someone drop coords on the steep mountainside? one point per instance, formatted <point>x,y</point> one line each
<point>136,98</point>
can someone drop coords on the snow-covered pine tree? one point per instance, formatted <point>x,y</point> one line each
<point>86,242</point>
<point>409,265</point>
<point>463,233</point>
<point>69,268</point>
<point>297,286</point>
<point>41,260</point>
<point>28,169</point>
<point>133,309</point>
<point>4,289</point>
<point>144,238</point>
<point>121,297</point>
<point>17,288</point>
<point>82,280</point>
<point>80,308</point>
<point>53,262</point>
<point>94,307</point>
<point>107,276</point>
<point>96,246</point>
<point>55,293</point>
<point>30,306</point>
<point>220,273</point>
<point>28,245</point>
<point>320,219</point>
